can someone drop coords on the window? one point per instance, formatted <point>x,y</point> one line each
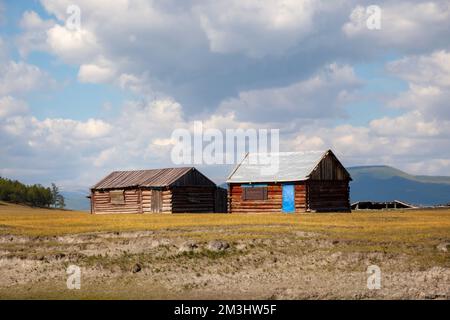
<point>254,192</point>
<point>117,197</point>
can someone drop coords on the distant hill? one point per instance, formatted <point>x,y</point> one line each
<point>384,183</point>
<point>76,200</point>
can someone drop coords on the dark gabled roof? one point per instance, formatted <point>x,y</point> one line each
<point>142,178</point>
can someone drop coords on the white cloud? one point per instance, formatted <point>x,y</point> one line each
<point>10,106</point>
<point>404,25</point>
<point>59,129</point>
<point>385,141</point>
<point>430,166</point>
<point>56,144</point>
<point>31,20</point>
<point>105,157</point>
<point>131,82</point>
<point>428,77</point>
<point>425,70</point>
<point>417,140</point>
<point>20,77</point>
<point>256,28</point>
<point>34,35</point>
<point>201,53</point>
<point>321,96</point>
<point>75,46</point>
<point>234,64</point>
<point>410,125</point>
<point>93,73</point>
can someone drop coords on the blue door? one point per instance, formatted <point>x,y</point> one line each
<point>288,198</point>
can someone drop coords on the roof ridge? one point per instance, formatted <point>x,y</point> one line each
<point>292,152</point>
<point>291,166</point>
<point>166,168</point>
<point>149,177</point>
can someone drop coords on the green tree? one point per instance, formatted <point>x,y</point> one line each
<point>57,197</point>
<point>33,195</point>
<point>60,203</point>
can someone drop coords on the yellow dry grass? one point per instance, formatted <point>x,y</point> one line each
<point>386,226</point>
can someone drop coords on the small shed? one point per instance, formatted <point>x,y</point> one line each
<point>169,190</point>
<point>381,205</point>
<point>313,181</point>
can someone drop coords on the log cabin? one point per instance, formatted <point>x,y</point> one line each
<point>310,181</point>
<point>169,190</point>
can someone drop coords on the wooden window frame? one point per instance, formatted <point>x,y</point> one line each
<point>117,197</point>
<point>257,192</point>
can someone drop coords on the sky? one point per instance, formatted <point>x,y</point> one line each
<point>82,97</point>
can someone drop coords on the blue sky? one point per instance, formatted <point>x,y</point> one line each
<point>78,103</point>
<point>69,98</point>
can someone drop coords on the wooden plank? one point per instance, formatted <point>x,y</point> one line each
<point>156,201</point>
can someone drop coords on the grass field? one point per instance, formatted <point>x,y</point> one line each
<point>413,225</point>
<point>321,255</point>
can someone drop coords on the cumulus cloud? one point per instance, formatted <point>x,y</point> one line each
<point>417,140</point>
<point>34,34</point>
<point>201,53</point>
<point>74,46</point>
<point>233,64</point>
<point>56,144</point>
<point>10,106</point>
<point>254,27</point>
<point>20,77</point>
<point>410,125</point>
<point>385,141</point>
<point>321,96</point>
<point>95,73</point>
<point>426,70</point>
<point>405,25</point>
<point>428,77</point>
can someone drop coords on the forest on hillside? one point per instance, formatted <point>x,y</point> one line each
<point>34,195</point>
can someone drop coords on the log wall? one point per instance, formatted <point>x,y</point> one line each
<point>173,200</point>
<point>328,196</point>
<point>221,203</point>
<point>193,199</point>
<point>273,204</point>
<point>101,202</point>
<point>166,201</point>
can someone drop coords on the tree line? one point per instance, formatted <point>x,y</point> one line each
<point>34,195</point>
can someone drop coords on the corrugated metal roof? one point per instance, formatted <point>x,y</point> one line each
<point>292,166</point>
<point>142,178</point>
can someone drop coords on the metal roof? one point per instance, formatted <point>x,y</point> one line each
<point>263,167</point>
<point>142,178</point>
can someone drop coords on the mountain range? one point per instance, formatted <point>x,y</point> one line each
<point>385,183</point>
<point>76,200</point>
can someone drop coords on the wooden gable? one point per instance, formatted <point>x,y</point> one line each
<point>193,178</point>
<point>329,168</point>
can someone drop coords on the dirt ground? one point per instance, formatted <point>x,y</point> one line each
<point>184,264</point>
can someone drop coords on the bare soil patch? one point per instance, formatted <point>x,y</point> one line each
<point>161,264</point>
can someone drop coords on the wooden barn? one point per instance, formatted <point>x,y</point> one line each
<point>170,190</point>
<point>311,181</point>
